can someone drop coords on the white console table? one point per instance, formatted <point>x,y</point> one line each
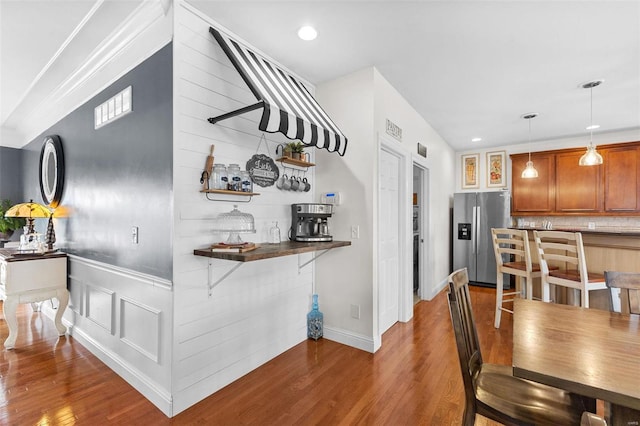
<point>30,279</point>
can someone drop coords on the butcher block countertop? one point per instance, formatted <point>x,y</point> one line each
<point>267,251</point>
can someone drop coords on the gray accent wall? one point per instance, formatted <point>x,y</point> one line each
<point>118,176</point>
<point>10,174</point>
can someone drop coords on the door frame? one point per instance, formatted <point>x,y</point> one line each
<point>425,251</point>
<point>405,258</point>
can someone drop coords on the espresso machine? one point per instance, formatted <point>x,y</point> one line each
<point>309,222</point>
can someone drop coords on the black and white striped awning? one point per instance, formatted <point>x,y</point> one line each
<point>288,107</point>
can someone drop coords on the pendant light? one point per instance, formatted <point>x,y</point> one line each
<point>529,172</point>
<point>591,157</point>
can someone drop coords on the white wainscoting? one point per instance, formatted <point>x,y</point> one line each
<point>125,319</point>
<point>259,311</point>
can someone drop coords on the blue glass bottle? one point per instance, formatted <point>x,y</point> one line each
<point>314,320</point>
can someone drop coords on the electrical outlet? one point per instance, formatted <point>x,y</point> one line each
<point>355,311</point>
<point>591,225</point>
<point>355,232</point>
<point>134,234</point>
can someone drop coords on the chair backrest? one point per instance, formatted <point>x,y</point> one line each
<point>511,242</point>
<point>464,328</point>
<point>564,249</point>
<point>629,285</point>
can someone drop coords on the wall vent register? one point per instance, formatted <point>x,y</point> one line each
<point>113,108</point>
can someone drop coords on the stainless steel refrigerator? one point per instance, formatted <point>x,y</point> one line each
<point>474,214</point>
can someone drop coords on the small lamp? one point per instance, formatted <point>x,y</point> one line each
<point>31,211</point>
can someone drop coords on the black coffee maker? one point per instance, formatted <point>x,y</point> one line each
<point>309,222</point>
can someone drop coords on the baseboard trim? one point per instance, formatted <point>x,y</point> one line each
<point>349,338</point>
<point>435,291</point>
<point>159,397</point>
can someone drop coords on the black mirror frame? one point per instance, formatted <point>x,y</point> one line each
<point>52,144</point>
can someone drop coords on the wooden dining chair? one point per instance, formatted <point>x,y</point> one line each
<point>565,249</point>
<point>628,302</point>
<point>513,244</point>
<point>491,390</point>
<point>628,284</point>
<point>590,419</point>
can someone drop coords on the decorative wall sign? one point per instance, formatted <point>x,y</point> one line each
<point>263,170</point>
<point>51,170</point>
<point>470,171</point>
<point>394,130</point>
<point>496,169</point>
<point>422,150</point>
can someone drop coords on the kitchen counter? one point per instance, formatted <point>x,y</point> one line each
<point>267,251</point>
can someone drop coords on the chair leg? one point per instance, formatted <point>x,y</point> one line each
<point>499,290</point>
<point>469,418</point>
<point>545,290</point>
<point>584,293</point>
<point>529,286</point>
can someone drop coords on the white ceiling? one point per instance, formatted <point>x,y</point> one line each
<point>470,68</point>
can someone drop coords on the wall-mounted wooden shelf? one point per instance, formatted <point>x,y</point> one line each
<point>293,162</point>
<point>266,251</point>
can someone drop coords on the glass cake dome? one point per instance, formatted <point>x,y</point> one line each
<point>235,222</point>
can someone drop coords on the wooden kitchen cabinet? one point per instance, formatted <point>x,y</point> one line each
<point>622,179</point>
<point>565,188</point>
<point>533,196</point>
<point>578,188</point>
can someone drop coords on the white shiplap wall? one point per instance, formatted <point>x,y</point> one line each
<point>259,311</point>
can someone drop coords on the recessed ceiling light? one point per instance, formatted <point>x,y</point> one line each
<point>307,33</point>
<point>593,127</point>
<point>476,139</point>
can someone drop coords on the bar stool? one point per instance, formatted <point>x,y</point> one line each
<point>566,248</point>
<point>628,286</point>
<point>513,242</point>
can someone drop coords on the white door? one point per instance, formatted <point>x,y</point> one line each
<point>389,239</point>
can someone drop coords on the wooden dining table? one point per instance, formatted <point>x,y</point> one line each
<point>590,352</point>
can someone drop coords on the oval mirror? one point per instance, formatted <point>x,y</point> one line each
<point>51,170</point>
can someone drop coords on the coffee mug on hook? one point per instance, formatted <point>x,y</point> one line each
<point>307,185</point>
<point>295,183</point>
<point>281,180</point>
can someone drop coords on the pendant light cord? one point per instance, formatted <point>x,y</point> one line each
<point>529,120</point>
<point>591,125</point>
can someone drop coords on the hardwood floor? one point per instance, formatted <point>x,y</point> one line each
<point>414,379</point>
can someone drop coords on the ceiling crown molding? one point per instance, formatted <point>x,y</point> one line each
<point>52,97</point>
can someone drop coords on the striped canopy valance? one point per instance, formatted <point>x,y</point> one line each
<point>288,107</point>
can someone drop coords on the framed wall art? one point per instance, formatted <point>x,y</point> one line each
<point>496,167</point>
<point>470,171</point>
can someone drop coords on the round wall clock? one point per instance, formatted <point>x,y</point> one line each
<point>51,170</point>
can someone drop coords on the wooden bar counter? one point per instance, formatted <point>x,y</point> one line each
<point>605,250</point>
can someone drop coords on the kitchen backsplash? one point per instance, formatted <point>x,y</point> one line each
<point>583,223</point>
